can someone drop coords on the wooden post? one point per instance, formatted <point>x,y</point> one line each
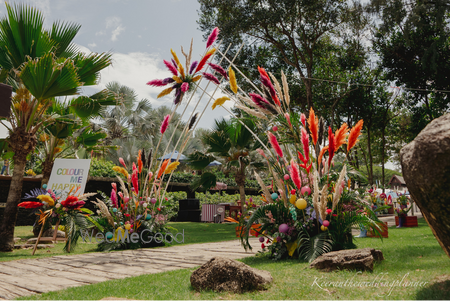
<point>39,237</point>
<point>55,232</point>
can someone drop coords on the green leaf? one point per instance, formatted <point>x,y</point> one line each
<point>207,181</point>
<point>199,161</point>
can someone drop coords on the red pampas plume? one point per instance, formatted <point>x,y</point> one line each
<point>165,124</point>
<point>134,181</point>
<point>157,83</point>
<point>303,119</point>
<point>354,134</point>
<point>331,145</point>
<point>295,174</point>
<point>274,142</point>
<point>305,142</point>
<point>219,70</point>
<point>265,80</point>
<point>29,205</point>
<point>313,125</point>
<point>211,78</point>
<point>204,60</point>
<point>212,37</point>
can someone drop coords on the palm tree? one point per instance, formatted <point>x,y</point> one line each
<point>41,65</point>
<point>232,143</point>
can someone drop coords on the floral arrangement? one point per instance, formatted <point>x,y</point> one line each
<point>68,212</point>
<point>309,209</point>
<point>403,201</point>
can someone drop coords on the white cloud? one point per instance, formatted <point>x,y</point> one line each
<point>115,23</point>
<point>43,6</point>
<point>92,45</point>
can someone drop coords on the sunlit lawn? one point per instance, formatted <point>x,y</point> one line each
<point>411,254</point>
<point>193,233</point>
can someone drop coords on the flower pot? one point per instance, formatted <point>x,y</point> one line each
<point>384,231</point>
<point>409,221</point>
<point>391,210</point>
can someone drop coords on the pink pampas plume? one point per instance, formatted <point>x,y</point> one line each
<point>184,87</point>
<point>288,118</point>
<point>303,119</point>
<point>157,83</point>
<point>295,174</point>
<point>122,162</point>
<point>212,37</point>
<point>165,124</point>
<point>219,69</point>
<point>261,102</point>
<point>331,145</point>
<point>134,167</point>
<point>135,182</point>
<point>261,152</point>
<point>273,140</point>
<point>114,198</point>
<point>211,78</point>
<point>305,142</point>
<point>171,67</point>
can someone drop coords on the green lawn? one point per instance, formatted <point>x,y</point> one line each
<point>411,254</point>
<point>193,233</point>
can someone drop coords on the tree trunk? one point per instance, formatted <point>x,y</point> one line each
<point>383,142</point>
<point>240,181</point>
<point>369,150</point>
<point>46,170</point>
<point>22,143</point>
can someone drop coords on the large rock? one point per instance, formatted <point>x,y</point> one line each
<point>223,274</point>
<point>50,232</point>
<point>355,259</point>
<point>426,170</point>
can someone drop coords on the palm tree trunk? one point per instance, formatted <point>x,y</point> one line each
<point>47,170</point>
<point>11,209</point>
<point>240,181</point>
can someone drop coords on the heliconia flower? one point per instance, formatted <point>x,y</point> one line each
<point>233,82</point>
<point>288,118</point>
<point>340,135</point>
<point>165,92</point>
<point>295,174</point>
<point>139,160</point>
<point>193,65</point>
<point>331,145</point>
<point>261,152</point>
<point>31,205</point>
<point>171,67</point>
<point>211,78</point>
<point>219,101</point>
<point>114,186</point>
<point>157,83</point>
<point>175,57</point>
<point>354,134</point>
<point>212,37</point>
<point>184,87</point>
<point>305,142</point>
<point>114,201</point>
<point>274,142</point>
<point>219,69</point>
<point>165,124</point>
<point>203,61</point>
<point>265,80</point>
<point>313,125</point>
<point>303,119</point>
<point>134,181</point>
<point>163,168</point>
<point>171,167</point>
<point>122,162</point>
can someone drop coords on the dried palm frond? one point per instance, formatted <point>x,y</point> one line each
<point>323,202</point>
<point>123,188</point>
<point>277,85</point>
<point>285,89</point>
<point>86,195</point>
<point>251,112</point>
<point>337,189</point>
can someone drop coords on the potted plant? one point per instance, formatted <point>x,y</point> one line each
<point>402,212</point>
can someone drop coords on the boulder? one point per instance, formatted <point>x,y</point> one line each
<point>426,170</point>
<point>50,232</point>
<point>355,259</point>
<point>223,274</point>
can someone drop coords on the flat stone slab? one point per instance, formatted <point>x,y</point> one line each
<point>38,275</point>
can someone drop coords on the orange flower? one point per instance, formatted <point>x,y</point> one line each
<point>140,164</point>
<point>163,168</point>
<point>354,134</point>
<point>340,135</point>
<point>313,122</point>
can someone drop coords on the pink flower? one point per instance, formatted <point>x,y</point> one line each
<point>122,162</point>
<point>114,186</point>
<point>305,142</point>
<point>184,87</point>
<point>295,174</point>
<point>303,119</point>
<point>288,118</point>
<point>261,152</point>
<point>114,198</point>
<point>134,180</point>
<point>171,67</point>
<point>165,124</point>
<point>212,37</point>
<point>274,142</point>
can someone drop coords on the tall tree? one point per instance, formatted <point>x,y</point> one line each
<point>41,65</point>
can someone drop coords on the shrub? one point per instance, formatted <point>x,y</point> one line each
<point>102,168</point>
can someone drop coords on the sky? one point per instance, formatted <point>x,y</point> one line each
<point>139,34</point>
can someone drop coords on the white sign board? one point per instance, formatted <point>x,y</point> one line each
<point>69,174</point>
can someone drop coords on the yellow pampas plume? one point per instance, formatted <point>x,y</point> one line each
<point>164,92</point>
<point>171,167</point>
<point>233,83</point>
<point>196,78</point>
<point>181,69</point>
<point>219,101</point>
<point>177,79</point>
<point>211,51</point>
<point>175,57</point>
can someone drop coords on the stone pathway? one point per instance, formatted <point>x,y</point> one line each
<point>31,276</point>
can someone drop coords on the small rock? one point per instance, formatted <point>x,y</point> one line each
<point>33,241</point>
<point>39,246</point>
<point>356,259</point>
<point>17,239</point>
<point>223,274</point>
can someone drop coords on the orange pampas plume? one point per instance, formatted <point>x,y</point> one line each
<point>354,134</point>
<point>204,60</point>
<point>340,135</point>
<point>322,152</point>
<point>163,168</point>
<point>331,145</point>
<point>313,122</point>
<point>140,163</point>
